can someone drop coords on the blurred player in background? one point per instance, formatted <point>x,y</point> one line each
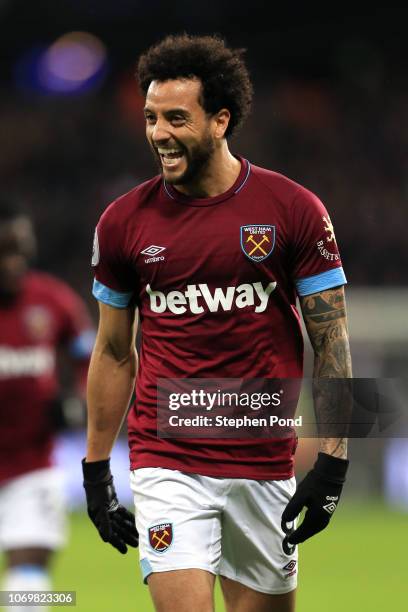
<point>212,253</point>
<point>39,316</point>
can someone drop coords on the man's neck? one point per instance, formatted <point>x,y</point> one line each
<point>219,176</point>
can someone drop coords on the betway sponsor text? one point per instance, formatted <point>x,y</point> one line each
<point>198,298</point>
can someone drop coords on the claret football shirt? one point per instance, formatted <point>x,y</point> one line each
<point>215,281</point>
<point>45,316</point>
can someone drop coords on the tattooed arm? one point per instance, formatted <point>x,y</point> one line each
<point>325,318</point>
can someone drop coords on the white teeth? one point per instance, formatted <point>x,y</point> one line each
<point>169,162</point>
<point>165,151</point>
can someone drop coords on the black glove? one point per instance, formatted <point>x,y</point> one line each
<point>115,524</point>
<point>320,492</point>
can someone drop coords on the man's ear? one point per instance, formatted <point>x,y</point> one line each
<point>221,119</point>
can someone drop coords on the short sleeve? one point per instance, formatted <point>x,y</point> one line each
<point>316,263</point>
<point>114,277</point>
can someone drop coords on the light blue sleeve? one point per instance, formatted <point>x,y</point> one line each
<point>108,296</point>
<point>320,282</point>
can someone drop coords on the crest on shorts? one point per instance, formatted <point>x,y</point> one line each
<point>161,536</point>
<point>257,241</point>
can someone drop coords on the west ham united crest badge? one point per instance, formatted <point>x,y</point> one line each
<point>161,537</point>
<point>257,241</point>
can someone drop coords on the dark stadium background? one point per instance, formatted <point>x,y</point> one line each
<point>330,111</point>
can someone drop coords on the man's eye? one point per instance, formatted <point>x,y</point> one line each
<point>178,120</point>
<point>150,118</point>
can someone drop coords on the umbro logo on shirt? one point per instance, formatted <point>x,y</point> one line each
<point>153,251</point>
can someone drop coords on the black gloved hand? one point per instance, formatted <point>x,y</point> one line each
<point>320,492</point>
<point>114,522</point>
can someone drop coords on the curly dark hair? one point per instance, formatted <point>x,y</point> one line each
<point>222,72</point>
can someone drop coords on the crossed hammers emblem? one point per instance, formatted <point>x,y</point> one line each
<point>160,539</point>
<point>258,245</point>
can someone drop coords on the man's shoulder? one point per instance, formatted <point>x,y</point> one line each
<point>276,182</point>
<point>289,193</point>
<point>126,205</point>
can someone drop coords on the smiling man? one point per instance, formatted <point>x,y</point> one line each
<point>210,256</point>
<point>191,160</point>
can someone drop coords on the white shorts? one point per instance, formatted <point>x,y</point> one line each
<point>227,526</point>
<point>32,511</point>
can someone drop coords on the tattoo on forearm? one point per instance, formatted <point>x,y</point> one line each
<point>325,319</point>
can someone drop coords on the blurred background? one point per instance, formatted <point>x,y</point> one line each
<point>330,111</point>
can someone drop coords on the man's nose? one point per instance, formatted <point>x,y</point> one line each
<point>160,132</point>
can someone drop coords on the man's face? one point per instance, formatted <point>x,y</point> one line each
<point>178,129</point>
<point>17,245</point>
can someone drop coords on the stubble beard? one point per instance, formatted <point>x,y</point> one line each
<point>197,160</point>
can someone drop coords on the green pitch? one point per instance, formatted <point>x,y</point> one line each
<point>358,563</point>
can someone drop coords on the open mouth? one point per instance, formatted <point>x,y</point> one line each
<point>170,157</point>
